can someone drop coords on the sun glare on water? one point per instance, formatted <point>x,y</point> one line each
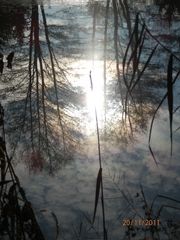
<point>94,99</point>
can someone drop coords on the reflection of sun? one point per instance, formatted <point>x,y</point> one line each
<point>94,99</point>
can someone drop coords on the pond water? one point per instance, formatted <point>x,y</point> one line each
<point>131,177</point>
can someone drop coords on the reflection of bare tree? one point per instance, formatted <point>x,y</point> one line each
<point>138,81</point>
<point>137,70</point>
<point>47,131</point>
<point>135,111</point>
<point>126,45</point>
<point>47,83</point>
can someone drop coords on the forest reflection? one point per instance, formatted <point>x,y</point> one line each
<point>91,76</point>
<point>49,90</point>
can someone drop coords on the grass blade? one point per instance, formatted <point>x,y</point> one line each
<point>154,115</point>
<point>126,52</point>
<point>144,68</point>
<point>134,54</point>
<point>170,96</point>
<point>98,185</point>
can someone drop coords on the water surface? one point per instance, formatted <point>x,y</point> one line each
<point>128,166</point>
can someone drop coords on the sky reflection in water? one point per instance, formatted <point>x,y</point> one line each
<point>70,193</point>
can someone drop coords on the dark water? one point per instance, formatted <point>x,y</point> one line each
<point>131,177</point>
